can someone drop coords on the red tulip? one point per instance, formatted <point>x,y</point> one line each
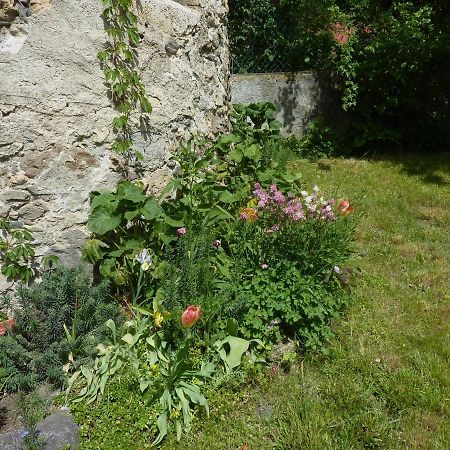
<point>190,316</point>
<point>344,207</point>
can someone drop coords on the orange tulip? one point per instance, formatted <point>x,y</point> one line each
<point>344,207</point>
<point>190,316</point>
<point>249,214</point>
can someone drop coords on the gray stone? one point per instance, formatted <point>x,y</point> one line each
<point>12,440</point>
<point>59,430</point>
<point>15,195</point>
<point>172,47</point>
<point>33,211</point>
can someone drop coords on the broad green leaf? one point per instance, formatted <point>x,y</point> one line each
<point>227,197</point>
<point>130,191</point>
<point>112,326</point>
<point>151,209</point>
<point>235,155</point>
<point>253,152</point>
<point>232,327</point>
<point>237,347</point>
<point>128,338</point>
<point>103,199</point>
<point>101,221</point>
<point>130,215</point>
<point>229,139</point>
<point>162,424</point>
<point>177,223</point>
<point>93,250</point>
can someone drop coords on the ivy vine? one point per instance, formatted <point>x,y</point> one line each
<point>119,61</point>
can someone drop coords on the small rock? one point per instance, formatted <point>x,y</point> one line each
<point>172,47</point>
<point>34,211</point>
<point>19,178</point>
<point>15,195</point>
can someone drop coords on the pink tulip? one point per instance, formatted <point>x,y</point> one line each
<point>190,316</point>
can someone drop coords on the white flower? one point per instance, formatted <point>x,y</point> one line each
<point>303,193</point>
<point>316,188</point>
<point>309,199</point>
<point>144,259</point>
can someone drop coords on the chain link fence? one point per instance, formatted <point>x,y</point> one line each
<point>257,60</point>
<point>260,37</point>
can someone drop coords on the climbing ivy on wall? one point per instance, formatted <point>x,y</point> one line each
<point>119,61</point>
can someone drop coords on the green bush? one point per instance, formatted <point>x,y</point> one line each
<point>38,346</point>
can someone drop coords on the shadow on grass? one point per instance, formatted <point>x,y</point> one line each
<point>430,167</point>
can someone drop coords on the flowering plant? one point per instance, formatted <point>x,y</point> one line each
<point>279,208</point>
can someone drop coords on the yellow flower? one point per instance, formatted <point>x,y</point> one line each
<point>158,319</point>
<point>252,203</point>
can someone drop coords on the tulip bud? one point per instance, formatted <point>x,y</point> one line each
<point>344,208</point>
<point>190,316</point>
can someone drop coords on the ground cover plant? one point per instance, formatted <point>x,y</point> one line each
<point>233,258</point>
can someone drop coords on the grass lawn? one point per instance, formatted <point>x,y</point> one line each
<point>386,382</point>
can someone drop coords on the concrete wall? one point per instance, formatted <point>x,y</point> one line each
<point>55,116</point>
<point>299,97</point>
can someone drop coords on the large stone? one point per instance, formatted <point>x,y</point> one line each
<point>59,431</point>
<point>15,195</point>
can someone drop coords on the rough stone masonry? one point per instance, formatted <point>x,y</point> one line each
<point>55,114</point>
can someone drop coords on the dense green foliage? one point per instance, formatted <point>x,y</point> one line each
<point>61,317</point>
<point>390,61</point>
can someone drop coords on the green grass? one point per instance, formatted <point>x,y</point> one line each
<point>386,382</point>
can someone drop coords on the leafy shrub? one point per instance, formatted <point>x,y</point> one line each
<point>63,315</point>
<point>17,253</point>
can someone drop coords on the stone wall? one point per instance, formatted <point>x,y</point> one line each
<point>55,115</point>
<point>299,97</point>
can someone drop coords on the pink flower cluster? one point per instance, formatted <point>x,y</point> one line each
<point>294,208</point>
